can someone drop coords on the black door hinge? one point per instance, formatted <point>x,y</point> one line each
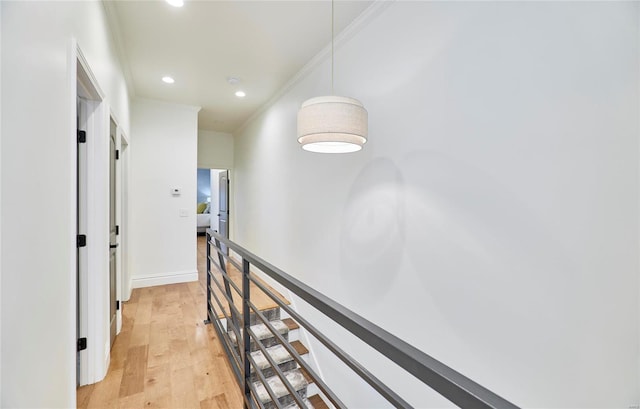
<point>82,344</point>
<point>82,136</point>
<point>118,305</point>
<point>117,230</point>
<point>81,240</point>
<point>117,154</point>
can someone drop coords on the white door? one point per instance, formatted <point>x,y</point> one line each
<point>113,240</point>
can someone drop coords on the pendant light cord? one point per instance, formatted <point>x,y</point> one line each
<point>332,39</point>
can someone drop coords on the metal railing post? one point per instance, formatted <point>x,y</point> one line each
<point>449,383</point>
<point>246,324</point>
<point>209,317</point>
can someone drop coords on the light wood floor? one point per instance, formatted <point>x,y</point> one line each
<point>165,357</point>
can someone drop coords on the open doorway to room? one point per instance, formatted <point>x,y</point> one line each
<point>213,201</point>
<point>212,212</point>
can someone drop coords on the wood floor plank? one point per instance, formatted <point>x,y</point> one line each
<point>158,354</point>
<point>83,396</point>
<point>157,387</point>
<point>134,371</point>
<point>105,394</point>
<point>132,402</point>
<point>222,401</point>
<point>165,356</point>
<point>183,393</point>
<point>179,354</point>
<point>139,335</point>
<point>120,350</point>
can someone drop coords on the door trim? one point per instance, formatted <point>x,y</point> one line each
<point>95,360</point>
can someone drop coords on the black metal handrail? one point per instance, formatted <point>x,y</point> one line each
<point>449,383</point>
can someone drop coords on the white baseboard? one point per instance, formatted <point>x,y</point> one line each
<point>162,279</point>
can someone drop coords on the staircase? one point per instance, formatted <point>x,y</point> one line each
<point>265,348</point>
<point>297,377</point>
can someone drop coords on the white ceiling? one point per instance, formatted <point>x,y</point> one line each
<point>264,43</point>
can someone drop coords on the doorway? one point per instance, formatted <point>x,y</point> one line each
<point>113,232</point>
<point>92,221</point>
<point>90,129</point>
<point>223,206</point>
<point>82,107</point>
<point>213,196</point>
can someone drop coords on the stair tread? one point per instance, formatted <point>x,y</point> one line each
<point>295,377</point>
<point>299,347</point>
<point>291,324</point>
<point>317,402</point>
<point>295,405</point>
<point>262,332</point>
<point>279,354</point>
<point>306,375</point>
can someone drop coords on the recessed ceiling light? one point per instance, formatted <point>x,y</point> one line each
<point>176,3</point>
<point>168,80</point>
<point>240,94</point>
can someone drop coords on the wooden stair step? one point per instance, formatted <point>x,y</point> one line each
<point>313,402</point>
<point>307,376</point>
<point>299,347</point>
<point>317,402</point>
<point>291,324</point>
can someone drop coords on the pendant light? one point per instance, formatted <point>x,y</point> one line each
<point>332,124</point>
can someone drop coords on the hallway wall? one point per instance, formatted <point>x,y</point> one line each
<point>215,150</point>
<point>492,218</point>
<point>37,187</point>
<point>163,156</point>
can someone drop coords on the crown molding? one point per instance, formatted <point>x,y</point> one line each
<point>114,28</point>
<point>351,30</point>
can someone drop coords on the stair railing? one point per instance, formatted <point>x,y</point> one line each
<point>449,383</point>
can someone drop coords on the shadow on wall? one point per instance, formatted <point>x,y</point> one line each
<point>473,244</point>
<point>373,232</point>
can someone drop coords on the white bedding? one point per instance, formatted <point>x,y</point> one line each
<point>204,221</point>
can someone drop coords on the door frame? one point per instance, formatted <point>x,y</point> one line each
<point>122,217</point>
<point>122,143</point>
<point>114,195</point>
<point>93,288</point>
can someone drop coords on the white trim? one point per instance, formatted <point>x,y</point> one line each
<point>94,306</point>
<point>1,213</point>
<point>72,79</point>
<point>124,138</point>
<point>169,278</point>
<point>193,108</point>
<point>119,241</point>
<point>87,70</point>
<point>352,29</point>
<point>125,284</point>
<point>114,29</point>
<point>637,404</point>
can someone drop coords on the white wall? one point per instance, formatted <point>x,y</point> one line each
<point>215,150</point>
<point>37,168</point>
<point>163,156</point>
<point>492,219</point>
